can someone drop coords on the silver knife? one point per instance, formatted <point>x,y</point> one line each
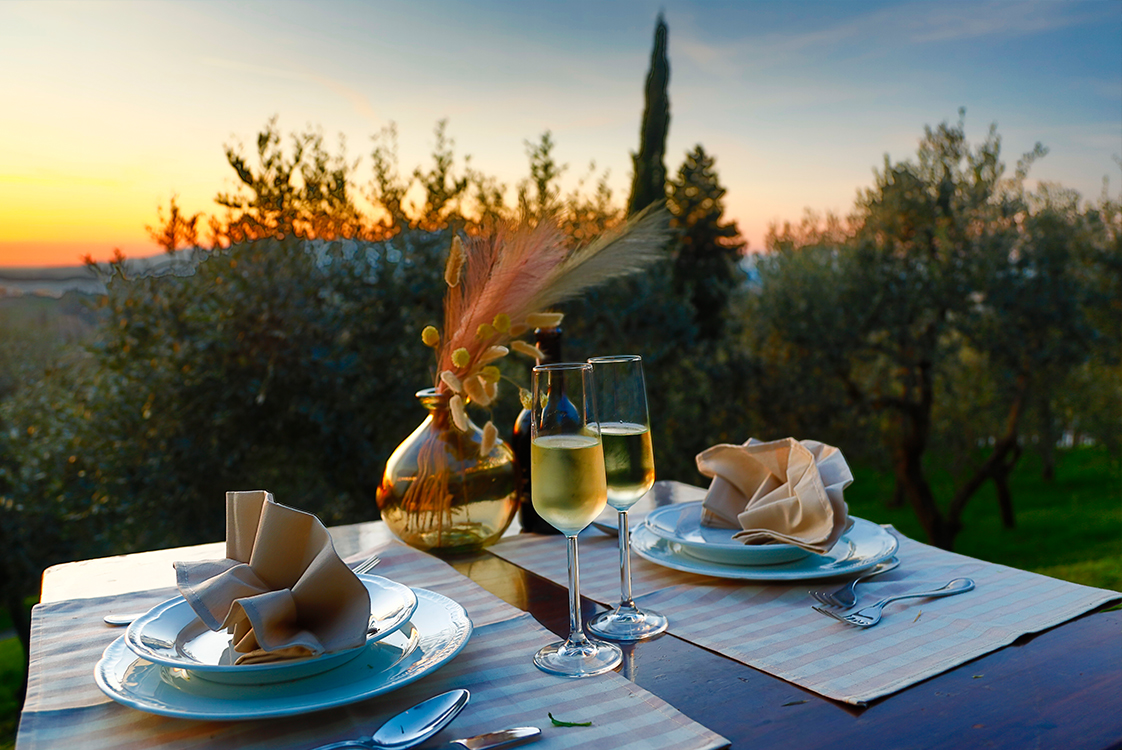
<point>492,740</point>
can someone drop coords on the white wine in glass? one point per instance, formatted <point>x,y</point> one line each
<point>628,461</point>
<point>573,487</point>
<point>570,489</point>
<point>624,424</point>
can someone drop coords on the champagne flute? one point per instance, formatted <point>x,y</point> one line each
<point>570,489</point>
<point>625,428</point>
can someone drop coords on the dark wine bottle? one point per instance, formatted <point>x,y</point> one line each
<point>548,341</point>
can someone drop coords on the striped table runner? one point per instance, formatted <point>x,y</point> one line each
<point>771,626</point>
<point>64,707</point>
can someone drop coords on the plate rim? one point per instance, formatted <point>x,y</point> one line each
<point>731,548</point>
<point>138,648</point>
<point>765,573</point>
<point>118,656</point>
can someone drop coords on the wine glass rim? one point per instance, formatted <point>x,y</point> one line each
<point>553,366</point>
<point>608,358</point>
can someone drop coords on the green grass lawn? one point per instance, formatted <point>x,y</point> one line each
<point>11,677</point>
<point>1070,529</point>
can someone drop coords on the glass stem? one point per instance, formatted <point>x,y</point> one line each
<point>576,629</point>
<point>624,563</point>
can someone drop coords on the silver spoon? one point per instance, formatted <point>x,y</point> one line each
<point>118,620</point>
<point>412,726</point>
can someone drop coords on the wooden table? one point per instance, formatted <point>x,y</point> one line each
<point>1058,689</point>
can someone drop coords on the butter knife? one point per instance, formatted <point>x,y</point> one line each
<point>493,740</point>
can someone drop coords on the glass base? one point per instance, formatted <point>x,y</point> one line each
<point>583,659</point>
<point>628,624</point>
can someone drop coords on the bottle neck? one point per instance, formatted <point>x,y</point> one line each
<point>548,341</point>
<point>436,404</point>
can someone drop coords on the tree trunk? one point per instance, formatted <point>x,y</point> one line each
<point>1001,472</point>
<point>908,465</point>
<point>910,476</point>
<point>998,467</point>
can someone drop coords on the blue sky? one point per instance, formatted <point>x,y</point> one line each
<point>110,107</point>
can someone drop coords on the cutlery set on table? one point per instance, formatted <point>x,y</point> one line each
<point>775,512</point>
<point>415,725</point>
<point>673,536</point>
<point>223,650</point>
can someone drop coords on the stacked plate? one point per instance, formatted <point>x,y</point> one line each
<point>169,663</point>
<point>674,537</point>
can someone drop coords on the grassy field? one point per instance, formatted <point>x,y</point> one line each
<point>11,676</point>
<point>1070,529</point>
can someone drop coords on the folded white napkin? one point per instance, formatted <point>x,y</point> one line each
<point>785,491</point>
<point>282,591</point>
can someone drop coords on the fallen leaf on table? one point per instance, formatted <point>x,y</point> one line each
<point>559,723</point>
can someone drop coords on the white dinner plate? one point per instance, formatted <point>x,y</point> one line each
<point>860,548</point>
<point>681,523</point>
<point>438,630</point>
<point>172,635</point>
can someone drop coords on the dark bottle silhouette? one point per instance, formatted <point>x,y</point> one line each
<point>549,342</point>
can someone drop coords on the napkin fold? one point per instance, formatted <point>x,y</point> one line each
<point>282,591</point>
<point>784,491</point>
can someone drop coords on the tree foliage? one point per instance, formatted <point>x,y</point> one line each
<point>648,182</point>
<point>946,279</point>
<point>284,363</point>
<point>539,195</point>
<point>708,248</point>
<point>306,192</point>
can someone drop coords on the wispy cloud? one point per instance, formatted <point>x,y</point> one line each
<point>996,18</point>
<point>358,101</point>
<point>889,28</point>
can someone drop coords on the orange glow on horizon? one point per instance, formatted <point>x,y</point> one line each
<point>40,253</point>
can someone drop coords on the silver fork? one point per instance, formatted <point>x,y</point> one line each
<point>846,596</point>
<point>867,617</point>
<point>366,565</point>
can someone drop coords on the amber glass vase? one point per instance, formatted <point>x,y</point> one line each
<point>439,494</point>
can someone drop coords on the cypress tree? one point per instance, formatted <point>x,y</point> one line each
<point>705,270</point>
<point>649,170</point>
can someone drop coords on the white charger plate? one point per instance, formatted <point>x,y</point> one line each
<point>437,631</point>
<point>681,523</point>
<point>171,634</point>
<point>861,547</point>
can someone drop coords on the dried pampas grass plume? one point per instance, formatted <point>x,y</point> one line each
<point>454,269</point>
<point>526,349</point>
<point>544,319</point>
<point>490,437</point>
<point>500,285</point>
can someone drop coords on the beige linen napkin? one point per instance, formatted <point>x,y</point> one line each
<point>785,491</point>
<point>282,591</point>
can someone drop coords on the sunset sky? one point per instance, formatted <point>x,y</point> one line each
<point>109,108</point>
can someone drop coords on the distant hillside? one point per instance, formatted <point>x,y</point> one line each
<point>70,317</point>
<point>50,282</point>
<point>57,280</point>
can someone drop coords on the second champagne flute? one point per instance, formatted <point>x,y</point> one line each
<point>567,473</point>
<point>625,427</point>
